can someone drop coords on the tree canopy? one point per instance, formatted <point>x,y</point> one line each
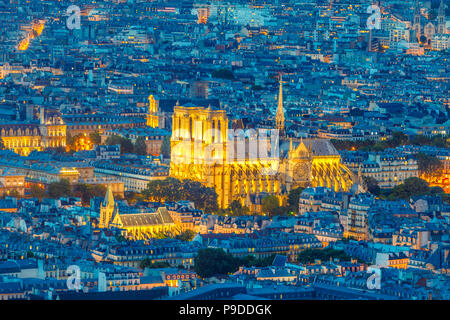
<point>413,187</point>
<point>223,74</point>
<point>140,147</point>
<point>271,205</point>
<point>37,192</point>
<point>372,185</point>
<point>235,209</point>
<point>147,263</point>
<point>397,139</point>
<point>59,189</point>
<point>95,137</point>
<point>428,165</point>
<point>215,261</point>
<point>165,147</point>
<point>126,146</point>
<point>309,255</point>
<point>171,189</point>
<point>293,198</point>
<point>87,191</point>
<point>187,235</point>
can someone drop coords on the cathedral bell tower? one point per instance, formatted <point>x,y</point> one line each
<point>279,120</point>
<point>107,209</point>
<point>416,24</point>
<point>441,18</point>
<point>153,114</point>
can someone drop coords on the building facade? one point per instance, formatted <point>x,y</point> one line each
<point>243,164</point>
<point>135,226</point>
<point>23,138</point>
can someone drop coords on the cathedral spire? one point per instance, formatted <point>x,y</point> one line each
<point>417,12</point>
<point>280,111</point>
<point>441,9</point>
<point>109,197</point>
<point>441,18</point>
<point>107,209</point>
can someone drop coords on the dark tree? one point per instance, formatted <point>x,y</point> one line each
<point>187,235</point>
<point>399,138</point>
<point>410,187</point>
<point>147,263</point>
<point>171,189</point>
<point>428,165</point>
<point>59,189</point>
<point>140,147</point>
<point>372,185</point>
<point>165,147</point>
<point>95,137</point>
<point>87,191</point>
<point>236,209</point>
<point>204,198</point>
<point>293,198</point>
<point>223,74</point>
<point>271,206</point>
<point>37,192</point>
<point>126,146</point>
<point>210,262</point>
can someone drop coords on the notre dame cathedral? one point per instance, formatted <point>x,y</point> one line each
<point>248,165</point>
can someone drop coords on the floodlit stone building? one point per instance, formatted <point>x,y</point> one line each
<point>241,165</point>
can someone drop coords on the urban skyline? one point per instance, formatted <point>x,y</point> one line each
<point>225,150</point>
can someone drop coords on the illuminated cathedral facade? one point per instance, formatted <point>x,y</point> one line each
<point>427,28</point>
<point>246,165</point>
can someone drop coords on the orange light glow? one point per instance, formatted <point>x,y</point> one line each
<point>36,30</point>
<point>23,45</point>
<point>38,27</point>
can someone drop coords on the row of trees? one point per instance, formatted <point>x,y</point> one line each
<point>171,189</point>
<point>223,74</point>
<point>429,165</point>
<point>310,255</point>
<point>76,142</point>
<point>147,263</point>
<point>410,187</point>
<point>165,147</point>
<point>126,145</point>
<point>211,262</point>
<point>398,139</point>
<point>64,189</point>
<point>413,187</point>
<point>235,209</point>
<point>271,205</point>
